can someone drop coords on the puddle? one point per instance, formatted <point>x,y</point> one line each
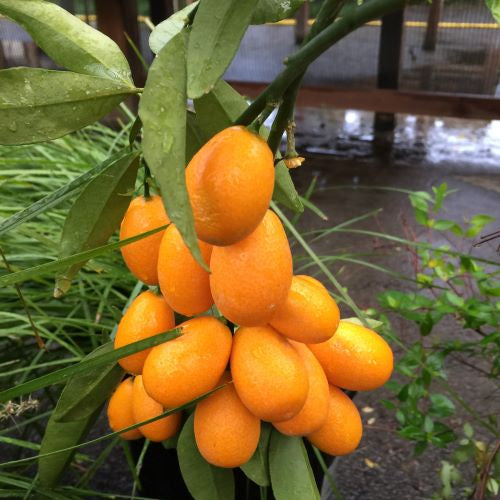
<point>423,139</point>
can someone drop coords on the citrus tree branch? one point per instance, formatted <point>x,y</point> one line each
<point>298,62</point>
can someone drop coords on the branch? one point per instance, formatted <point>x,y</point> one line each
<point>298,62</point>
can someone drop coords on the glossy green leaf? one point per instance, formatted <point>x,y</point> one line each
<point>56,197</point>
<point>166,30</point>
<point>57,436</point>
<point>67,40</point>
<point>50,267</point>
<point>86,392</point>
<point>96,214</point>
<point>284,190</point>
<point>216,34</point>
<point>219,108</point>
<point>204,481</point>
<point>257,468</point>
<point>61,376</point>
<point>38,105</point>
<point>291,474</point>
<point>272,11</point>
<point>163,113</point>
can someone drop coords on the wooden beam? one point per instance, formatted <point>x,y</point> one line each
<point>115,18</point>
<point>391,101</point>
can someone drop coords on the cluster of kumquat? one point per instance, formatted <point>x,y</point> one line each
<point>289,357</point>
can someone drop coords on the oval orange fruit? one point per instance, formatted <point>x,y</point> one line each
<point>251,278</point>
<point>355,358</point>
<point>141,256</point>
<point>230,181</point>
<point>315,410</point>
<point>226,433</point>
<point>148,315</point>
<point>342,430</point>
<point>186,367</point>
<point>309,314</point>
<point>268,373</point>
<point>183,282</point>
<point>120,410</point>
<point>145,407</point>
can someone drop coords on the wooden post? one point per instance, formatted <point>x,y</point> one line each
<point>115,18</point>
<point>301,26</point>
<point>159,10</point>
<point>389,61</point>
<point>431,30</point>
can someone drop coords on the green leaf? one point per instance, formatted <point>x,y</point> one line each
<point>59,435</point>
<point>61,376</point>
<point>291,474</point>
<point>494,6</point>
<point>163,113</point>
<point>204,481</point>
<point>257,468</point>
<point>284,190</point>
<point>71,43</point>
<point>428,424</point>
<point>216,34</point>
<point>85,393</point>
<point>441,406</point>
<point>53,199</point>
<point>166,30</point>
<point>444,225</point>
<point>39,105</point>
<point>96,214</point>
<point>477,224</point>
<point>272,11</point>
<point>219,108</point>
<point>468,430</point>
<point>439,196</point>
